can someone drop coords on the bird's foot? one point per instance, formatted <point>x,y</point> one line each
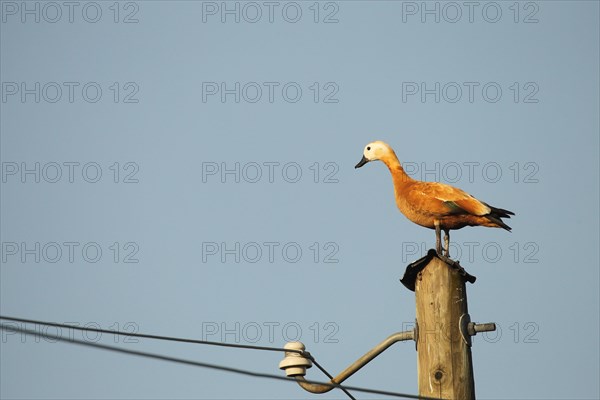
<point>447,260</point>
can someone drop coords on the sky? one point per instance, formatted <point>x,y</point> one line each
<point>186,169</point>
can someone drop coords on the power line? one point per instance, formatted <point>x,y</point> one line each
<point>185,361</point>
<point>157,337</point>
<point>175,339</point>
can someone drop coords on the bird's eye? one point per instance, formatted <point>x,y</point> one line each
<point>369,148</point>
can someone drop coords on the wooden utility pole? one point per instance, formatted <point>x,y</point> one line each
<point>444,358</point>
<point>444,327</point>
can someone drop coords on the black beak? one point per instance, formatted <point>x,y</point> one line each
<point>362,162</point>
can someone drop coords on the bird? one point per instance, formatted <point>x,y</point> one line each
<point>434,205</point>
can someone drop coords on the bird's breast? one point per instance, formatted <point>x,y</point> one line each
<point>415,214</point>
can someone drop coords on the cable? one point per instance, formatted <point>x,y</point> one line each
<point>146,336</point>
<point>189,362</point>
<point>174,339</point>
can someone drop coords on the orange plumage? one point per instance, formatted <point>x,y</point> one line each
<point>431,204</point>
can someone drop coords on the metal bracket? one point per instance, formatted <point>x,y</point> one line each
<point>416,334</point>
<point>295,363</point>
<point>464,322</point>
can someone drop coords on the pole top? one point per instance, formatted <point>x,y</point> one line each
<point>413,269</point>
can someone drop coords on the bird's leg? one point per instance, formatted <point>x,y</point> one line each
<point>438,239</point>
<point>447,241</point>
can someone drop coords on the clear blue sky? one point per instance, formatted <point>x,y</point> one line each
<point>170,170</point>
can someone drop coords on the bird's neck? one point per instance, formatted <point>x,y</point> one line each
<point>399,176</point>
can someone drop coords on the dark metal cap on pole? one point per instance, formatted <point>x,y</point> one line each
<point>413,269</point>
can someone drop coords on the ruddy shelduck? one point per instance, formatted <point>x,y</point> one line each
<point>431,204</point>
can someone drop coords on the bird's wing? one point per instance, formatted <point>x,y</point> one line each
<point>445,199</point>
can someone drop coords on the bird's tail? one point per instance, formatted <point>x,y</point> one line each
<point>496,215</point>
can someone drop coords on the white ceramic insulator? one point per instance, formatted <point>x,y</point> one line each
<point>294,363</point>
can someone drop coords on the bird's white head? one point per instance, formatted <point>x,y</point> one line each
<point>375,151</point>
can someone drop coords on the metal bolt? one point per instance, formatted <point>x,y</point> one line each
<point>474,328</point>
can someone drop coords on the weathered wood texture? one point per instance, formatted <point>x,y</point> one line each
<point>445,368</point>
